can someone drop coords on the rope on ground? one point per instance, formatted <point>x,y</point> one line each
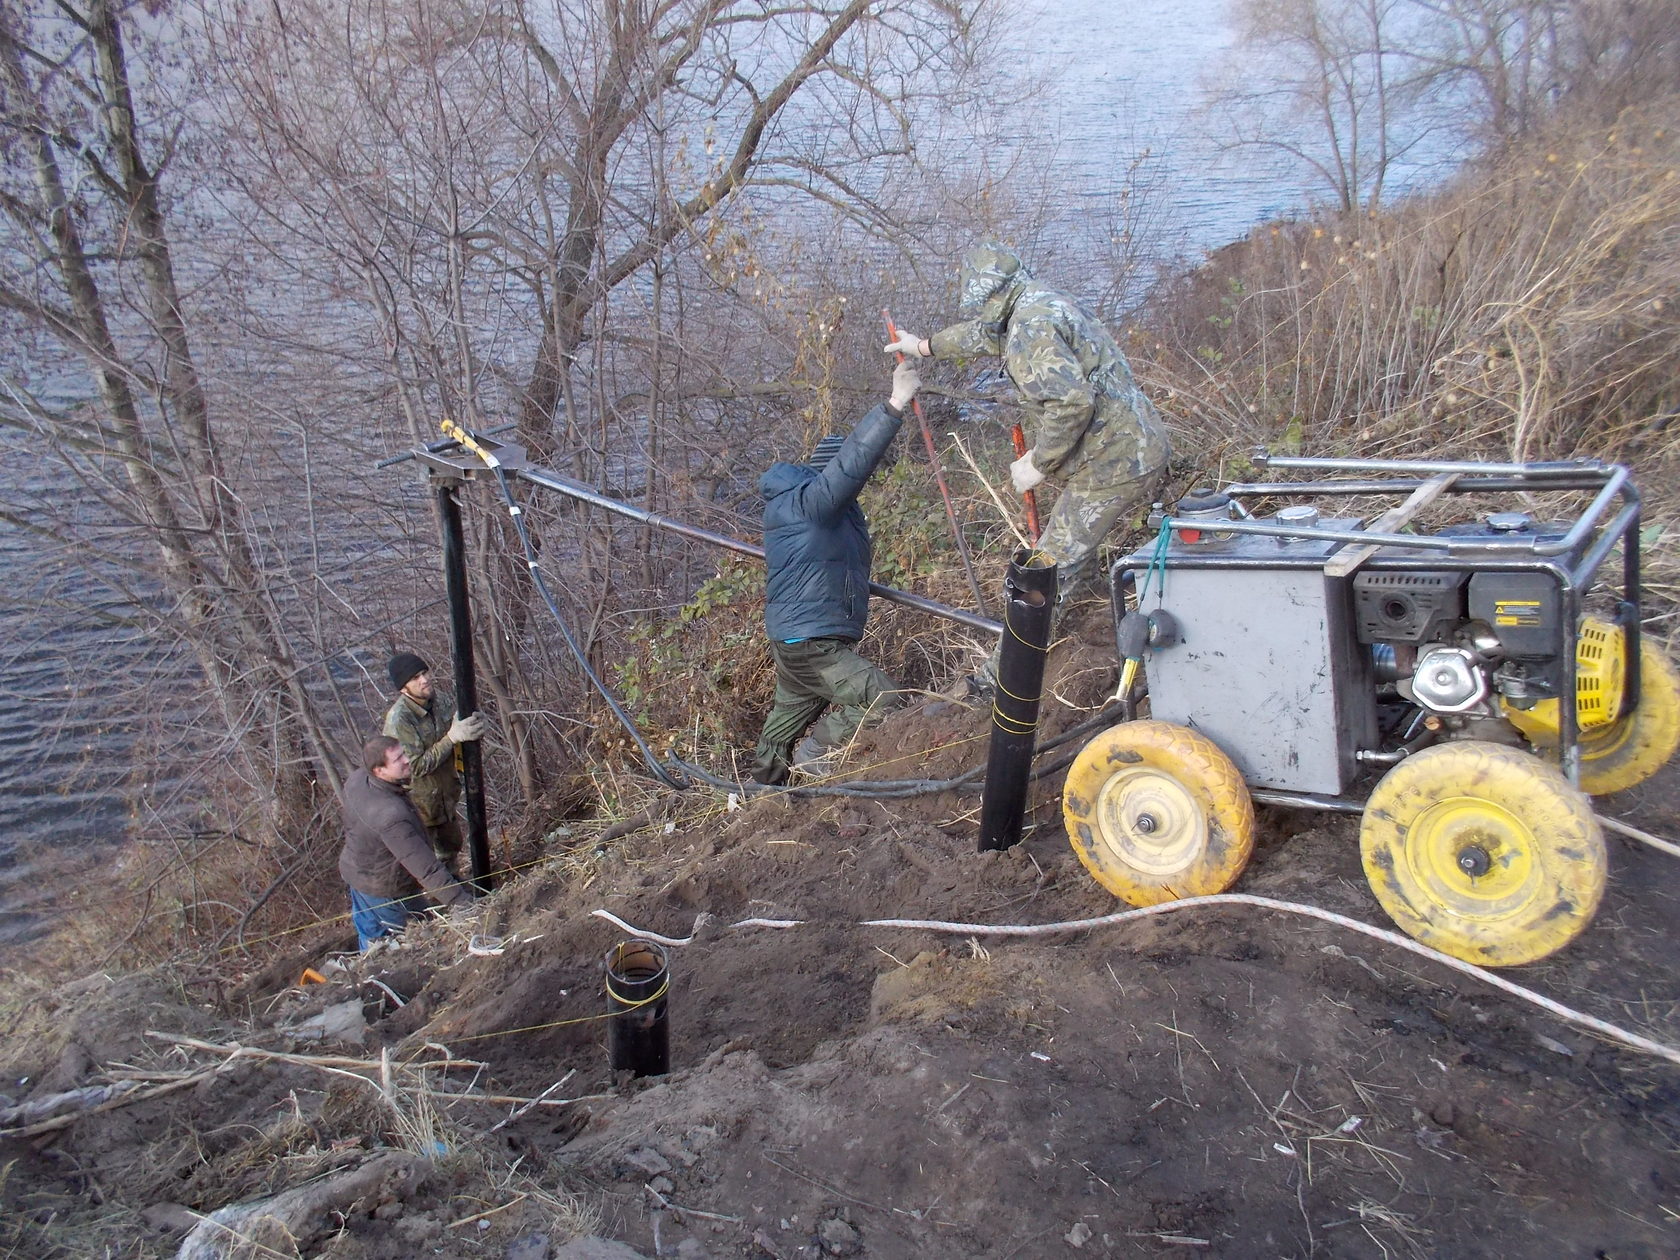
<point>1580,1019</point>
<point>1644,837</point>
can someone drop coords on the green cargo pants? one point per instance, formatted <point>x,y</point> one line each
<point>811,675</point>
<point>1083,516</point>
<point>447,841</point>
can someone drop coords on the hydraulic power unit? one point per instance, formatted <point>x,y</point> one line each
<point>1363,664</point>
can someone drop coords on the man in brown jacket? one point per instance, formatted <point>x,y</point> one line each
<point>388,861</point>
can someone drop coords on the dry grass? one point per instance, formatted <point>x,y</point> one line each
<point>1525,312</point>
<point>38,1225</point>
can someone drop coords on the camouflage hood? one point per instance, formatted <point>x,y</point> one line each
<point>987,282</point>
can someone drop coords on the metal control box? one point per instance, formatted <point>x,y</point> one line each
<point>1267,662</point>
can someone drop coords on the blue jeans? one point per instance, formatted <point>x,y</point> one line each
<point>375,917</point>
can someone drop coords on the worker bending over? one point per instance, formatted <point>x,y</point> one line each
<point>817,552</point>
<point>1091,429</point>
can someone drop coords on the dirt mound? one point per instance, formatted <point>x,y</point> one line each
<point>1219,1080</point>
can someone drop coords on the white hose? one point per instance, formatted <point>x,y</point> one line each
<point>1568,1015</point>
<point>700,921</point>
<point>648,936</point>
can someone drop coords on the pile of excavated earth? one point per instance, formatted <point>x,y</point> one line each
<point>1216,1080</point>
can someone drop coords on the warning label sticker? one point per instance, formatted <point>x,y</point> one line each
<point>1517,612</point>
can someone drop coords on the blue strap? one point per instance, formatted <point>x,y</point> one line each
<point>1157,569</point>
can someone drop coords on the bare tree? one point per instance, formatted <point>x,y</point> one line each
<point>1350,88</point>
<point>536,199</point>
<point>1617,54</point>
<point>88,262</point>
<point>1500,58</point>
<point>1326,83</point>
<point>631,226</point>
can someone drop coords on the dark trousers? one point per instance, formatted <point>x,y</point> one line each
<point>447,841</point>
<point>810,676</point>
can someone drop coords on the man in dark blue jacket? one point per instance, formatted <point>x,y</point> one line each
<point>817,552</point>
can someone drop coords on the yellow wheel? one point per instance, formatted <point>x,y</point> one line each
<point>1618,750</point>
<point>1484,852</point>
<point>1156,812</point>
<point>1633,748</point>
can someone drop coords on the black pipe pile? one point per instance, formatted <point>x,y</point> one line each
<point>1029,593</point>
<point>638,991</point>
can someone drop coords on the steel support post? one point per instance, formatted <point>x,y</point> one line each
<point>468,757</point>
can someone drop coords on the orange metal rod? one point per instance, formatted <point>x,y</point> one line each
<point>939,476</point>
<point>1030,497</point>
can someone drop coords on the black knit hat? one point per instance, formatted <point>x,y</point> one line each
<point>402,667</point>
<point>825,451</point>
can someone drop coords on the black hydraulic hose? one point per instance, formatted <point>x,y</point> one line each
<point>586,494</point>
<point>682,774</point>
<point>1029,592</point>
<point>903,789</point>
<point>889,790</point>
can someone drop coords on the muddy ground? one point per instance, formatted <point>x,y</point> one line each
<point>1217,1081</point>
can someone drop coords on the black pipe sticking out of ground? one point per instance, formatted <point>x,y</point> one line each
<point>638,992</point>
<point>468,758</point>
<point>1029,593</point>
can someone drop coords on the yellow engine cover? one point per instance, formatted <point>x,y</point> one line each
<point>1600,656</point>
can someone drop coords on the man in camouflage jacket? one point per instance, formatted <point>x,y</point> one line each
<point>1090,427</point>
<point>423,720</point>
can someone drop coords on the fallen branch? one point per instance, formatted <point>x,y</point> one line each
<point>347,1066</point>
<point>509,1100</point>
<point>295,1216</point>
<point>111,1104</point>
<point>479,1216</point>
<point>323,1061</point>
<point>688,1211</point>
<point>540,1098</point>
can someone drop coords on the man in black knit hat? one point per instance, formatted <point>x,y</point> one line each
<point>423,720</point>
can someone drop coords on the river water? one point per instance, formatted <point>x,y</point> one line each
<point>1124,80</point>
<point>1121,82</point>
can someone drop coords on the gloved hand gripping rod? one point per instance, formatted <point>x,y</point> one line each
<point>939,476</point>
<point>1029,497</point>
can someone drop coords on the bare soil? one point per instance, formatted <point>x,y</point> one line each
<point>1216,1081</point>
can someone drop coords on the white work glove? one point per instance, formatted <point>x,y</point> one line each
<point>907,343</point>
<point>464,730</point>
<point>1024,474</point>
<point>906,381</point>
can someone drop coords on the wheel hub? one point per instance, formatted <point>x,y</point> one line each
<point>1474,861</point>
<point>1475,858</point>
<point>1150,821</point>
